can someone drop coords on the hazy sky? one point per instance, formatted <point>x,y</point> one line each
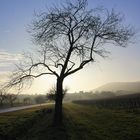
<point>122,65</point>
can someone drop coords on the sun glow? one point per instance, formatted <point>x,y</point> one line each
<point>67,82</point>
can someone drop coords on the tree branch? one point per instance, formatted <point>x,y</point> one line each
<point>78,68</point>
<point>37,64</point>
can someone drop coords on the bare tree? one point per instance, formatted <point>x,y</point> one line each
<point>10,98</point>
<point>2,97</point>
<point>68,38</point>
<point>51,94</point>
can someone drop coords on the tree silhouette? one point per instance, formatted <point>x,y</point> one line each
<point>68,38</point>
<point>2,97</point>
<point>51,94</point>
<point>10,98</point>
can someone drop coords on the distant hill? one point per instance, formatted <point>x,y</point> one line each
<point>110,90</point>
<point>120,86</point>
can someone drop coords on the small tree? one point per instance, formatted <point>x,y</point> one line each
<point>2,97</point>
<point>10,98</point>
<point>51,94</point>
<point>68,38</point>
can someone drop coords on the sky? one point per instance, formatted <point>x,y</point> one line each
<point>122,65</point>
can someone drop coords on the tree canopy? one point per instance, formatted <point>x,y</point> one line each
<point>68,38</point>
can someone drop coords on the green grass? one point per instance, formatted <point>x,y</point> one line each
<point>16,124</point>
<point>91,123</point>
<point>81,122</point>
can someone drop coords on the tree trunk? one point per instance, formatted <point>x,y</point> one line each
<point>58,103</point>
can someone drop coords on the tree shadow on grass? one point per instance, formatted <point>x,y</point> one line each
<point>38,127</point>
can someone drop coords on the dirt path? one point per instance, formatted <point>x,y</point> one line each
<point>20,108</point>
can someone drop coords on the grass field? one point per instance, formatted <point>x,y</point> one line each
<point>81,122</point>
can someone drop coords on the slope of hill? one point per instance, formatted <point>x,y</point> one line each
<point>120,86</point>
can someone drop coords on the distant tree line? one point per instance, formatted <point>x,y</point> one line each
<point>7,98</point>
<point>10,99</point>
